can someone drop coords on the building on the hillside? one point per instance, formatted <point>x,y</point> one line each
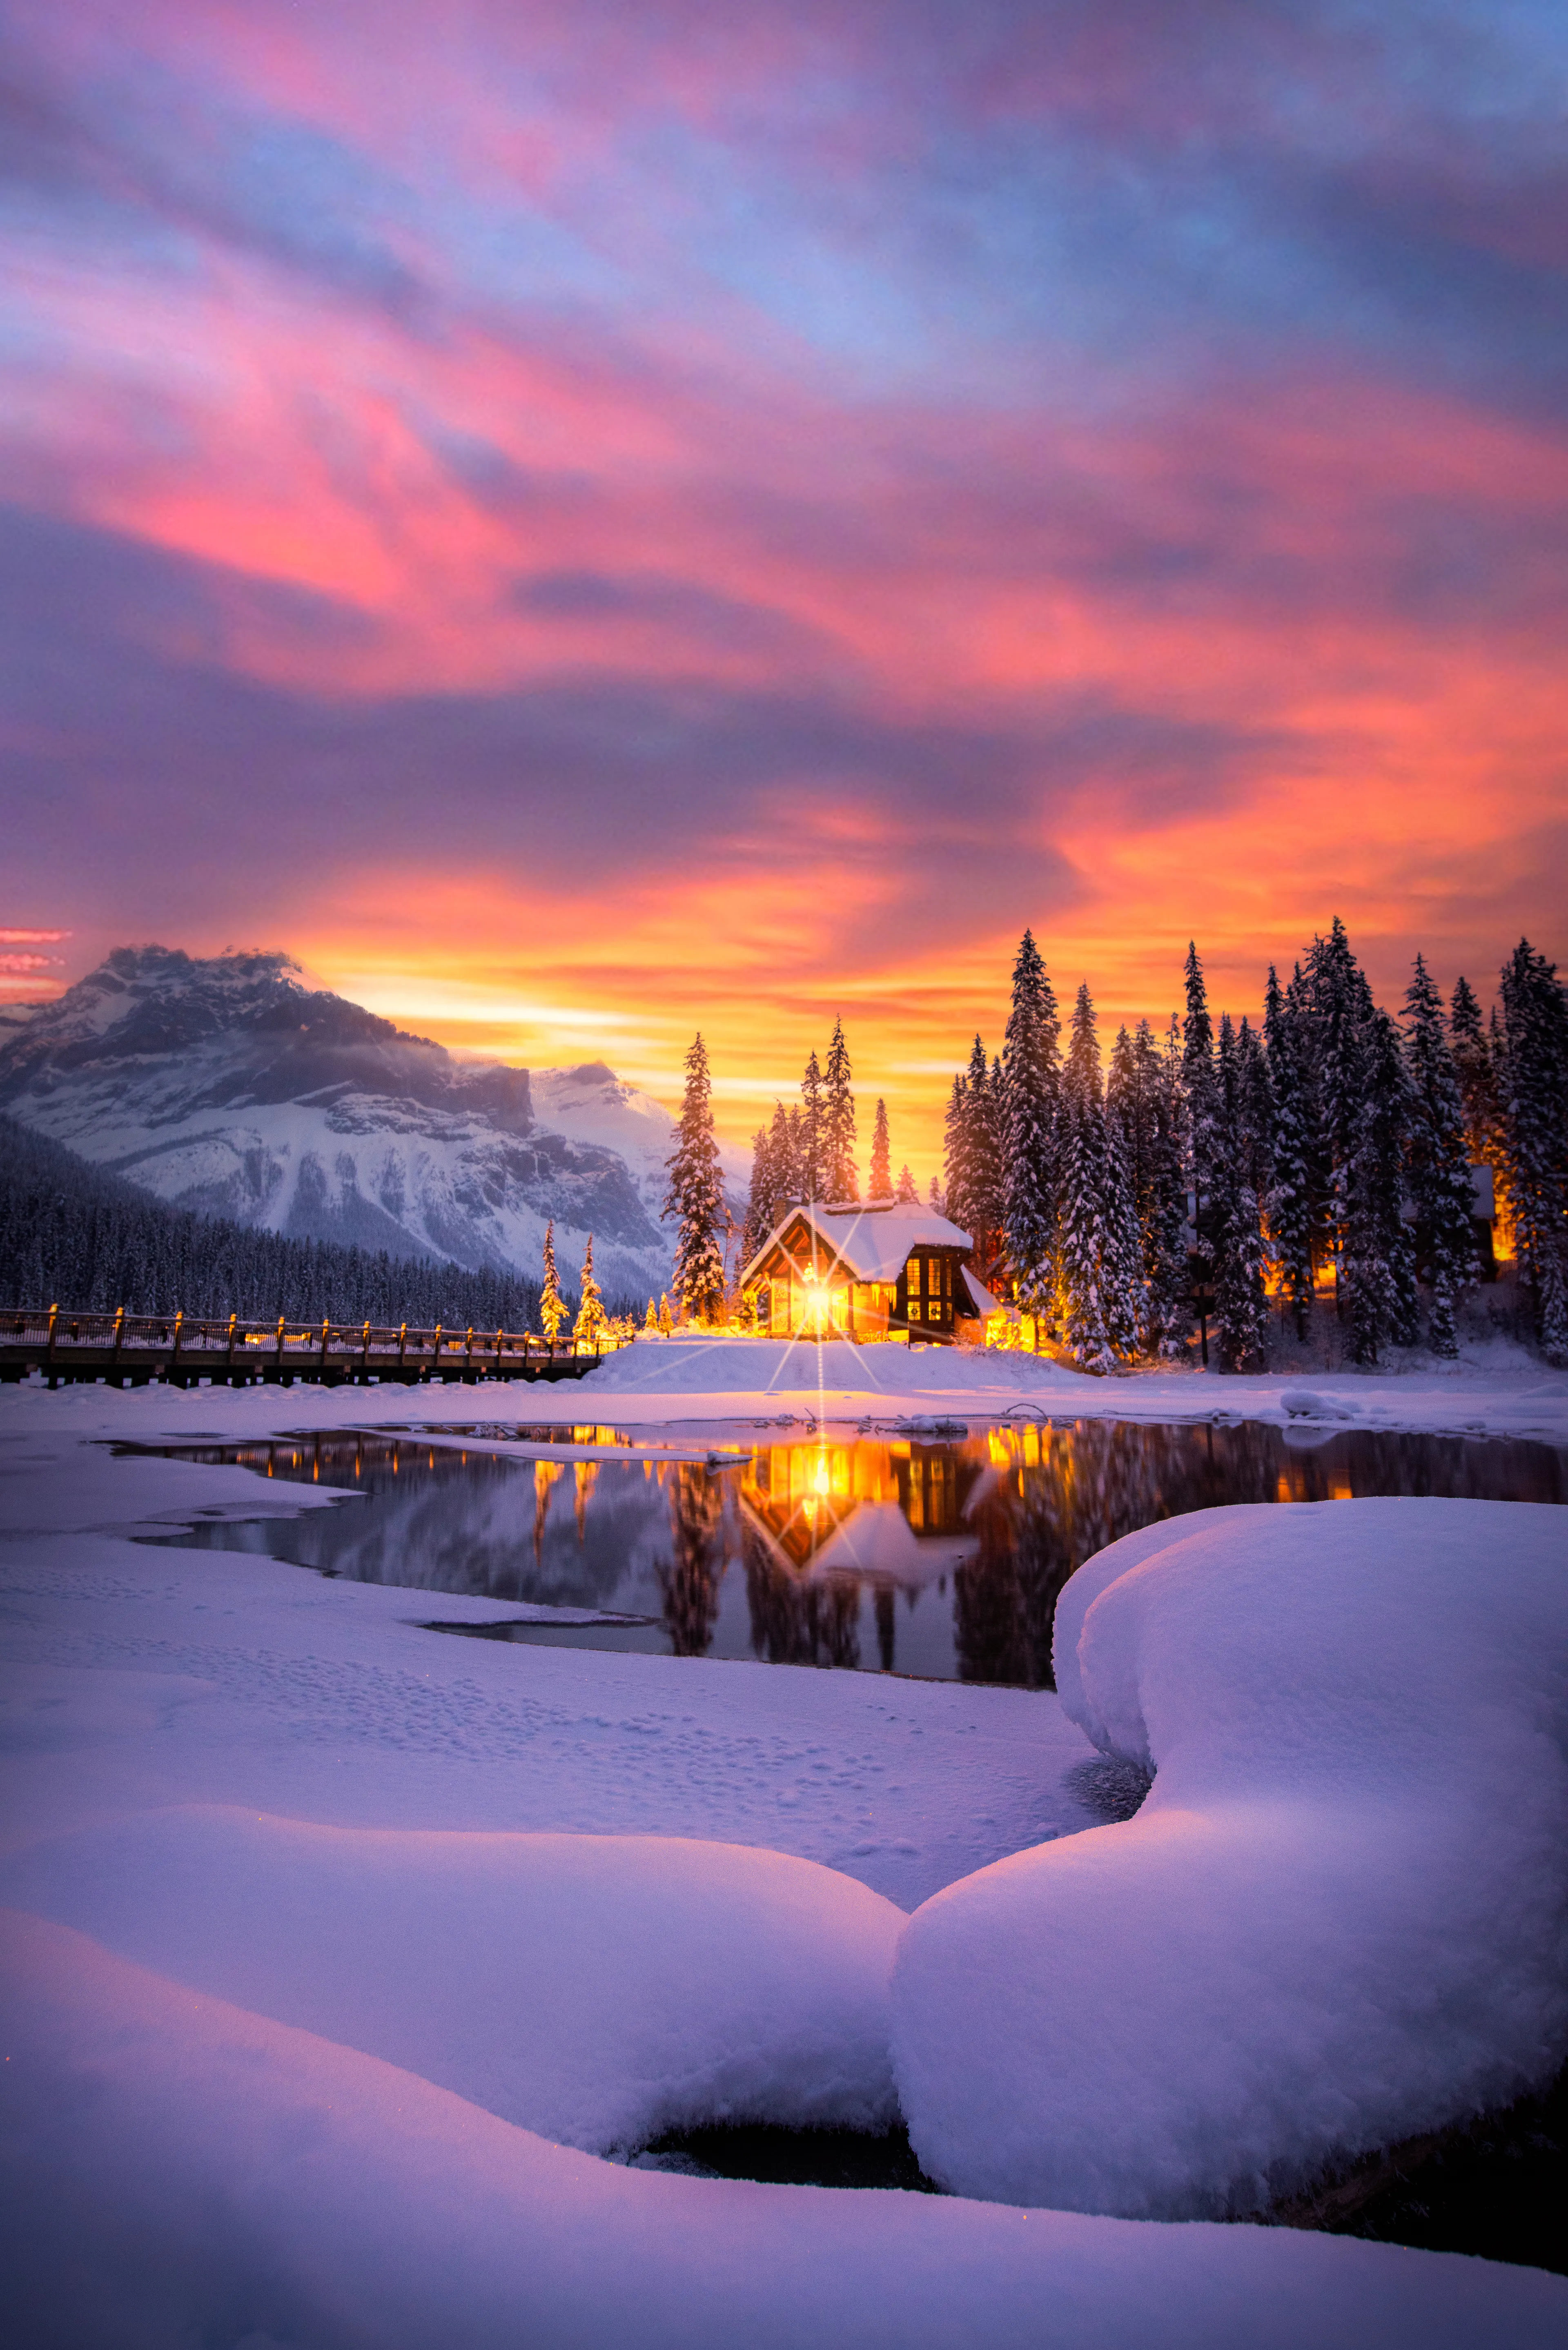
<point>870,1270</point>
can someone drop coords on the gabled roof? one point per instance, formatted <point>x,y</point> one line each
<point>872,1243</point>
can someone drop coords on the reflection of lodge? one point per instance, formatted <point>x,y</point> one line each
<point>891,1513</point>
<point>878,1270</point>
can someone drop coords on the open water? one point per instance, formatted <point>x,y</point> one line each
<point>939,1556</point>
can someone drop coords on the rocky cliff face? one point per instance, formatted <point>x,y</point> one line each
<point>226,1085</point>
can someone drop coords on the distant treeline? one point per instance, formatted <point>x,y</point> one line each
<point>73,1236</point>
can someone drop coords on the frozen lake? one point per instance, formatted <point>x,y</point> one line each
<point>939,1557</point>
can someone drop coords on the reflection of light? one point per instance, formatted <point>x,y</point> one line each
<point>808,1509</point>
<point>820,1481</point>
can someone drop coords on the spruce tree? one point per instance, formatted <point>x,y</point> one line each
<point>1288,1207</point>
<point>1377,1269</point>
<point>1340,1001</point>
<point>1125,1286</point>
<point>987,1160</point>
<point>1535,1031</point>
<point>838,1122</point>
<point>591,1316</point>
<point>1088,1244</point>
<point>795,1155</point>
<point>907,1195</point>
<point>1030,1102</point>
<point>696,1195</point>
<point>650,1319</point>
<point>1236,1256</point>
<point>881,1155</point>
<point>552,1306</point>
<point>1480,1088</point>
<point>1439,1171</point>
<point>1167,1309</point>
<point>757,1227</point>
<point>812,1168</point>
<point>936,1197</point>
<point>1200,1087</point>
<point>956,1155</point>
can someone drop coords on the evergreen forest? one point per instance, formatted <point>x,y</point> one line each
<point>72,1235</point>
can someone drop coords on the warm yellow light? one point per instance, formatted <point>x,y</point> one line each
<point>820,1480</point>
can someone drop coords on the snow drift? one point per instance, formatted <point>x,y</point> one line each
<point>1339,1918</point>
<point>597,1989</point>
<point>175,2171</point>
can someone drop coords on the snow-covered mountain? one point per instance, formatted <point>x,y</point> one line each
<point>227,1085</point>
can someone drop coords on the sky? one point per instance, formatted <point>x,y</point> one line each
<point>586,522</point>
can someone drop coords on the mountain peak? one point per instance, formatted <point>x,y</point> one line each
<point>224,1084</point>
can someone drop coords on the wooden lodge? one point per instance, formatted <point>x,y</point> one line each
<point>870,1270</point>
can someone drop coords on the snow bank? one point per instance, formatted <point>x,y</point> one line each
<point>175,2171</point>
<point>1338,1919</point>
<point>597,1989</point>
<point>682,1366</point>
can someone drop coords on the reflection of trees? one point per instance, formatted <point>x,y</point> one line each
<point>587,1477</point>
<point>545,1474</point>
<point>689,1579</point>
<point>795,1622</point>
<point>1089,1485</point>
<point>886,1624</point>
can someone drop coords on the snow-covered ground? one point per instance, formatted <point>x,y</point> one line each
<point>340,1954</point>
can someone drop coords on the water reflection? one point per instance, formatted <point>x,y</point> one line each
<point>690,1577</point>
<point>944,1558</point>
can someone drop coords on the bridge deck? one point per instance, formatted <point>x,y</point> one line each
<point>129,1350</point>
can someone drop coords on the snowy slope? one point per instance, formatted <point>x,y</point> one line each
<point>227,1086</point>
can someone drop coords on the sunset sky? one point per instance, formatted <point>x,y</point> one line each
<point>585,521</point>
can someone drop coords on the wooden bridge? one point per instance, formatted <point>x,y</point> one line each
<point>130,1349</point>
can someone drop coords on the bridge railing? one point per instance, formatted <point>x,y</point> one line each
<point>58,1333</point>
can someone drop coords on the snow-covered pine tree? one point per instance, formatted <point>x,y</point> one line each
<point>838,1121</point>
<point>696,1195</point>
<point>1168,1308</point>
<point>1480,1090</point>
<point>1288,1207</point>
<point>1030,1089</point>
<point>1259,1113</point>
<point>591,1316</point>
<point>936,1197</point>
<point>650,1319</point>
<point>956,1153</point>
<point>1477,1078</point>
<point>793,1155</point>
<point>881,1155</point>
<point>552,1306</point>
<point>1199,1086</point>
<point>1240,1308</point>
<point>908,1196</point>
<point>987,1202</point>
<point>1536,1017</point>
<point>1340,1001</point>
<point>1129,1094</point>
<point>1088,1244</point>
<point>759,1199</point>
<point>1378,1260</point>
<point>1132,1118</point>
<point>812,1168</point>
<point>666,1314</point>
<point>1125,1285</point>
<point>1438,1168</point>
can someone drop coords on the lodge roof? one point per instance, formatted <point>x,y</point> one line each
<point>873,1243</point>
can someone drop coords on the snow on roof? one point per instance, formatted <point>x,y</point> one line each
<point>986,1304</point>
<point>873,1241</point>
